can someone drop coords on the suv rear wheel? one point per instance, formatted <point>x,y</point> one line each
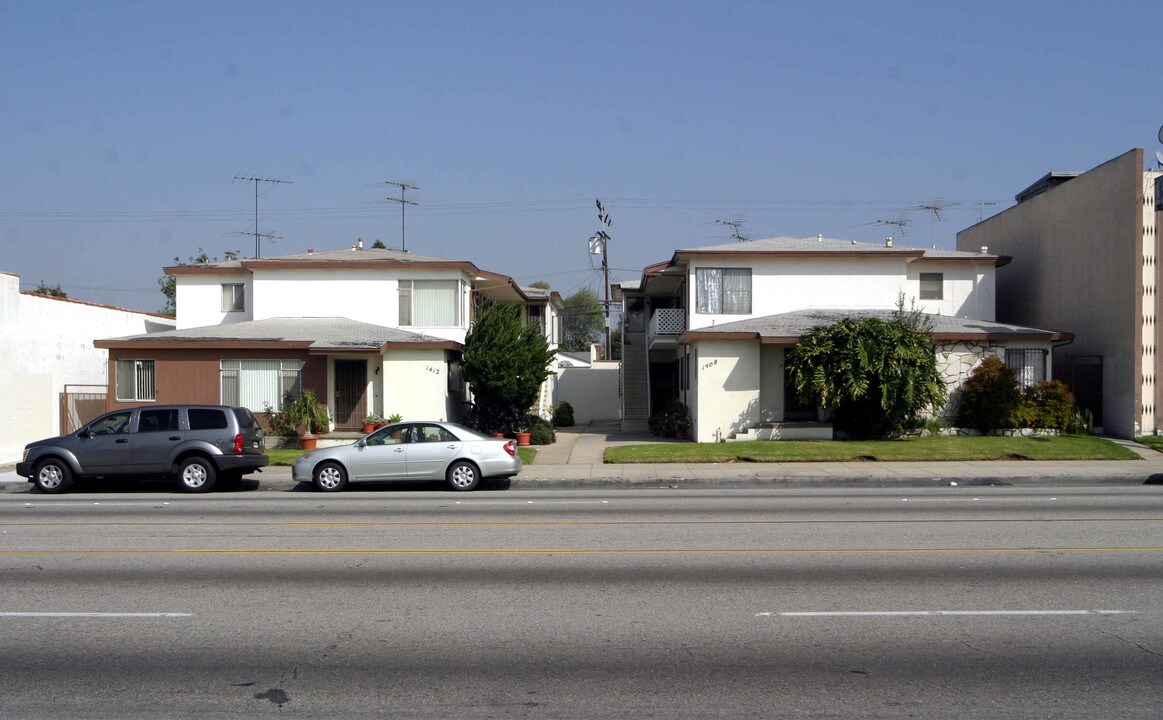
<point>196,474</point>
<point>52,476</point>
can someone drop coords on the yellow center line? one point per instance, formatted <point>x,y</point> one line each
<point>579,551</point>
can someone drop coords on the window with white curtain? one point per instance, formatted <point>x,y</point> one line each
<point>723,291</point>
<point>430,303</point>
<point>136,380</point>
<point>255,384</point>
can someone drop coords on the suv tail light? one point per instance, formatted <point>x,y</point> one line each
<point>511,447</point>
<point>239,442</point>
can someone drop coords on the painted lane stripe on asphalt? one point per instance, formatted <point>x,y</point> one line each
<point>92,615</point>
<point>932,613</point>
<point>571,523</point>
<point>570,551</point>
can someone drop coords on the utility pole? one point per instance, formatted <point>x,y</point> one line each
<point>256,180</point>
<point>403,186</point>
<point>604,237</point>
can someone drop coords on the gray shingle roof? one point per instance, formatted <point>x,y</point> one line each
<point>800,322</point>
<point>829,245</point>
<point>336,256</point>
<point>319,332</point>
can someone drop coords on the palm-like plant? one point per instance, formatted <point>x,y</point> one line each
<point>306,410</point>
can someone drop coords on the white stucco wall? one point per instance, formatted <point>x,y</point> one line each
<point>727,393</point>
<point>365,295</point>
<point>46,343</point>
<point>199,300</point>
<point>592,391</point>
<point>415,384</point>
<point>787,284</point>
<point>771,388</point>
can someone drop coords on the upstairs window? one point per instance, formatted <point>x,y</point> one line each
<point>932,286</point>
<point>135,380</point>
<point>233,297</point>
<point>536,315</point>
<point>430,303</point>
<point>723,291</point>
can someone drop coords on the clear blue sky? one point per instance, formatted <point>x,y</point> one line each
<point>122,125</point>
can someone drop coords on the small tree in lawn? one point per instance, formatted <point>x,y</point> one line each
<point>879,377</point>
<point>505,362</point>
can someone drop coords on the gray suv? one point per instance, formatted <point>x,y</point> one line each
<point>196,444</point>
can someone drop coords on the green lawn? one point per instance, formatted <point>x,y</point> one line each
<point>1066,447</point>
<point>1155,442</point>
<point>289,456</point>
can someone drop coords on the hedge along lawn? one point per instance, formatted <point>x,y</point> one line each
<point>1062,447</point>
<point>288,456</point>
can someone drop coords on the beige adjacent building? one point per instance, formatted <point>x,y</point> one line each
<point>1085,250</point>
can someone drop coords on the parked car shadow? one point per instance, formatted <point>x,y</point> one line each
<point>110,485</point>
<point>490,484</point>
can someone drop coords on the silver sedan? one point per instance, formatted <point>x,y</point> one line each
<point>411,451</point>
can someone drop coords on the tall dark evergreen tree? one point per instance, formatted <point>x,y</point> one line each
<point>505,362</point>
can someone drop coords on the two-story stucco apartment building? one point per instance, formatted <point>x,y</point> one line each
<point>370,331</point>
<point>711,326</point>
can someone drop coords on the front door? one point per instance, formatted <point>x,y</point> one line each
<point>350,393</point>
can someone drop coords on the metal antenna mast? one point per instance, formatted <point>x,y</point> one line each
<point>403,186</point>
<point>256,180</point>
<point>935,206</point>
<point>981,206</point>
<point>900,223</point>
<point>736,233</point>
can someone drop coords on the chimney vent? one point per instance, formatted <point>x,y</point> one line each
<point>360,242</point>
<point>984,249</point>
<point>310,251</point>
<point>888,241</point>
<point>819,238</point>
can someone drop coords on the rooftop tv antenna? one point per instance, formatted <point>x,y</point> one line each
<point>403,202</point>
<point>736,233</point>
<point>935,207</point>
<point>981,206</point>
<point>257,235</point>
<point>900,223</point>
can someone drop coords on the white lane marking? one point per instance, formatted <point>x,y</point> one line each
<point>926,613</point>
<point>976,499</point>
<point>92,615</point>
<point>92,504</point>
<point>533,502</point>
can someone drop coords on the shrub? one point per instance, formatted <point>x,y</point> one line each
<point>990,398</point>
<point>541,433</point>
<point>1047,404</point>
<point>279,424</point>
<point>1081,422</point>
<point>563,415</point>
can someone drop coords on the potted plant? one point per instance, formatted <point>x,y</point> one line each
<point>680,419</point>
<point>306,410</point>
<point>393,418</point>
<point>371,422</point>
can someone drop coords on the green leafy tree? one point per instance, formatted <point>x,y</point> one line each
<point>582,321</point>
<point>379,245</point>
<point>51,290</point>
<point>878,377</point>
<point>991,398</point>
<point>505,362</point>
<point>540,284</point>
<point>168,284</point>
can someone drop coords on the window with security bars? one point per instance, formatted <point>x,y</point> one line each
<point>1027,364</point>
<point>723,291</point>
<point>257,384</point>
<point>430,303</point>
<point>233,297</point>
<point>136,380</point>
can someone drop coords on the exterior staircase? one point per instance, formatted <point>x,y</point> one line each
<point>784,431</point>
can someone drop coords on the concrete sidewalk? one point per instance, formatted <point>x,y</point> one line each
<point>575,461</point>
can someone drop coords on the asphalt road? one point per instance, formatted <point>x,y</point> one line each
<point>951,602</point>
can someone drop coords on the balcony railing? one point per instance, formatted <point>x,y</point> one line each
<point>667,322</point>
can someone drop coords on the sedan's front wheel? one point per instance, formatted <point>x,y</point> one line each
<point>463,476</point>
<point>329,477</point>
<point>52,476</point>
